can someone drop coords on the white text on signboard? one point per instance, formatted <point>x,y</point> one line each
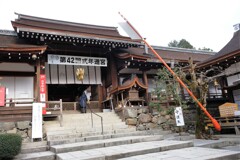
<point>76,60</point>
<point>37,120</point>
<point>179,116</point>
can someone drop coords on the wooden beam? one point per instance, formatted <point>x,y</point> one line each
<point>145,81</point>
<point>10,73</point>
<point>100,96</point>
<point>37,81</point>
<point>114,73</point>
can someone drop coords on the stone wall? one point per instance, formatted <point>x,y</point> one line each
<point>144,120</point>
<point>190,120</point>
<point>22,128</point>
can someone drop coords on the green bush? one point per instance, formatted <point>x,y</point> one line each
<point>10,145</point>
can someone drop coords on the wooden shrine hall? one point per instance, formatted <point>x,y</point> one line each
<point>45,59</point>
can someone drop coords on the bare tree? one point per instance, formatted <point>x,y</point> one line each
<point>198,84</point>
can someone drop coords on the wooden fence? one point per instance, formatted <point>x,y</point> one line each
<point>12,112</point>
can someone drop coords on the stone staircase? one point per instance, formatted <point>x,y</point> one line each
<point>80,125</point>
<point>77,139</point>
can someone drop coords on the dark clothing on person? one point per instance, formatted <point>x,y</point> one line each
<point>83,102</point>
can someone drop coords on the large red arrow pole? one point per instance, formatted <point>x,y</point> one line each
<point>214,121</point>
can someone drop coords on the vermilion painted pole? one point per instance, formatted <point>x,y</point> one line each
<point>214,121</point>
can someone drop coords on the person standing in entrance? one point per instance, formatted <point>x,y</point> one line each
<point>83,102</point>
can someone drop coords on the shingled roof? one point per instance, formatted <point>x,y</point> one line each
<point>9,42</point>
<point>37,25</point>
<point>171,53</point>
<point>230,50</point>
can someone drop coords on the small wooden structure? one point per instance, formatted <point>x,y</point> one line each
<point>133,98</point>
<point>232,122</point>
<point>132,92</point>
<point>227,119</point>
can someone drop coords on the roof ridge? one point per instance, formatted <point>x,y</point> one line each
<point>34,18</point>
<point>184,49</point>
<point>8,32</point>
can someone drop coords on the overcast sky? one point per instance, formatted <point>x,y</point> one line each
<point>204,23</point>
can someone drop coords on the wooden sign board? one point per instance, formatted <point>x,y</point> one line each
<point>37,120</point>
<point>43,92</point>
<point>179,116</point>
<point>2,96</point>
<point>227,109</point>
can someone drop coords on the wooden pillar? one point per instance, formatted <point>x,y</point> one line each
<point>104,90</point>
<point>114,77</point>
<point>114,74</point>
<point>223,82</point>
<point>145,80</point>
<point>37,81</point>
<point>42,71</point>
<point>100,96</point>
<point>122,98</point>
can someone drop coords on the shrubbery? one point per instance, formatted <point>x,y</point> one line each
<point>10,145</point>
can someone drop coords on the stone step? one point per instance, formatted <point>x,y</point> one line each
<point>75,116</point>
<point>88,128</point>
<point>103,143</point>
<point>66,139</point>
<point>88,116</point>
<point>65,134</point>
<point>87,137</point>
<point>127,150</point>
<point>47,155</point>
<point>83,123</point>
<point>195,153</point>
<point>32,147</point>
<point>114,116</point>
<point>102,114</point>
<point>216,143</point>
<point>73,138</point>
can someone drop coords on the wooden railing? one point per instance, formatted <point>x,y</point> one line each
<point>75,105</point>
<point>227,122</point>
<point>56,110</point>
<point>18,109</point>
<point>14,113</point>
<point>14,102</point>
<point>92,112</point>
<point>187,97</point>
<point>209,96</point>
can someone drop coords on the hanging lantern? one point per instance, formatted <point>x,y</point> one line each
<point>80,74</point>
<point>215,82</point>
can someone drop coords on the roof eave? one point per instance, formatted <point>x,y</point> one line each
<point>34,18</point>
